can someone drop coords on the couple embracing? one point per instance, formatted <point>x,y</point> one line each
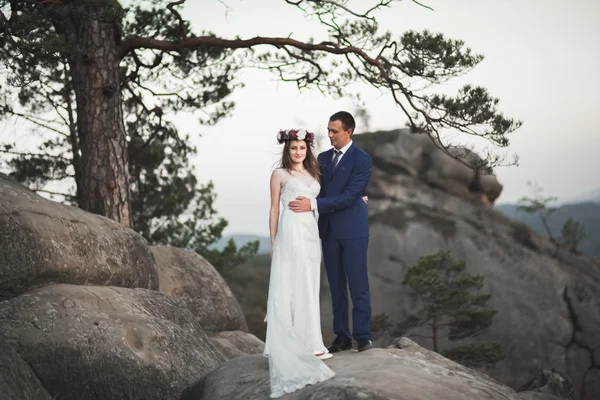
<point>316,203</point>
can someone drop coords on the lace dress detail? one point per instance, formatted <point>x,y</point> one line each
<point>293,314</point>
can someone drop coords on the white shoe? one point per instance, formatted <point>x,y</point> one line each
<point>324,356</point>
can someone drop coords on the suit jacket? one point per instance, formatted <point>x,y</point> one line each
<point>342,212</point>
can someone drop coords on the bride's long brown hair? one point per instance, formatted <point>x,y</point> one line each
<point>310,162</point>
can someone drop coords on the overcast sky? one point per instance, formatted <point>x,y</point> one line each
<point>541,59</point>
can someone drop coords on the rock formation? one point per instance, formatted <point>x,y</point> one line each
<point>81,314</point>
<point>421,201</point>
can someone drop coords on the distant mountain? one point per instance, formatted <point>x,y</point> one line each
<point>585,197</point>
<point>587,213</point>
<point>241,239</point>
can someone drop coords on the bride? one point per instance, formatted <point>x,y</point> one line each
<point>294,344</point>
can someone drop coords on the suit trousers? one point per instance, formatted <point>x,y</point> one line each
<point>346,267</point>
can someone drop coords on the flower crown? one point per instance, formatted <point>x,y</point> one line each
<point>295,134</point>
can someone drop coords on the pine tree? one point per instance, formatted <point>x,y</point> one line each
<point>572,234</point>
<point>105,55</point>
<point>540,205</point>
<point>450,306</point>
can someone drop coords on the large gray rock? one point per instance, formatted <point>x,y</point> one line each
<point>186,276</point>
<point>548,305</point>
<point>417,156</point>
<point>17,380</point>
<point>87,342</point>
<point>412,373</point>
<point>44,242</point>
<point>234,344</point>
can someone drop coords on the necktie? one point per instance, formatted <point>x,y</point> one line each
<point>335,159</point>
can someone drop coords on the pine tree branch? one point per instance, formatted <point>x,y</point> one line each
<point>159,128</point>
<point>384,3</point>
<point>36,122</point>
<point>137,97</point>
<point>364,15</point>
<point>157,94</point>
<point>134,43</point>
<point>379,63</point>
<point>27,154</point>
<point>13,3</point>
<point>68,196</point>
<point>227,8</point>
<point>140,63</point>
<point>422,5</point>
<point>57,108</point>
<point>171,7</point>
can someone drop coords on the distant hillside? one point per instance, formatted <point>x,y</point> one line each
<point>586,197</point>
<point>241,239</point>
<point>587,214</point>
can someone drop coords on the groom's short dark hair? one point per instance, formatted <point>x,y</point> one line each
<point>345,118</point>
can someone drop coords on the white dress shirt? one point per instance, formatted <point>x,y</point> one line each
<point>313,202</point>
<point>343,150</point>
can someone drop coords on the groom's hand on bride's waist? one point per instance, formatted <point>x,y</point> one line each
<point>301,204</point>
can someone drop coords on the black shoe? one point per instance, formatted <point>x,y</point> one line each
<point>364,344</point>
<point>338,345</point>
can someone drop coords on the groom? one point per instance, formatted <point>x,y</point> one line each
<point>344,231</point>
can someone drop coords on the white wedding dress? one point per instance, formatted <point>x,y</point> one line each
<point>293,316</point>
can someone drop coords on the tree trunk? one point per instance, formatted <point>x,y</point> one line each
<point>435,334</point>
<point>103,144</point>
<point>73,138</point>
<point>544,219</point>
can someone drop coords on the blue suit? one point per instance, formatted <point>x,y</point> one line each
<point>344,231</point>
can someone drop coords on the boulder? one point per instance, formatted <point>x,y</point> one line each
<point>87,342</point>
<point>412,373</point>
<point>43,242</point>
<point>415,155</point>
<point>187,277</point>
<point>550,382</point>
<point>17,380</point>
<point>233,344</point>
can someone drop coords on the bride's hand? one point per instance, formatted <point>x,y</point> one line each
<point>366,199</point>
